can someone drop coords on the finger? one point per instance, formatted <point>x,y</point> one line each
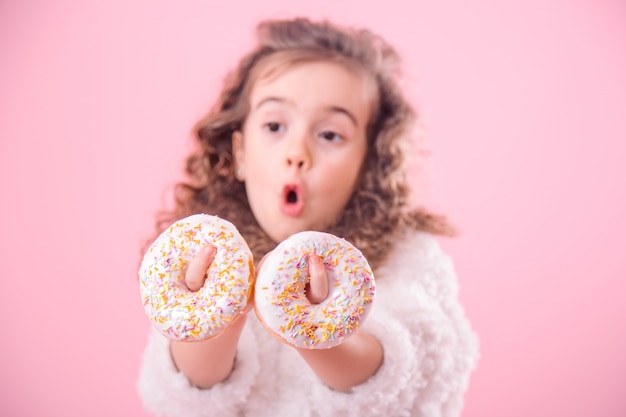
<point>318,284</point>
<point>197,269</point>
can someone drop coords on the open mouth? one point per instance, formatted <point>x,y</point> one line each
<point>292,202</point>
<point>292,197</point>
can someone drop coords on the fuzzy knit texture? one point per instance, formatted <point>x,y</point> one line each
<point>429,347</point>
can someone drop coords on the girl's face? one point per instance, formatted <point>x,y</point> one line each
<point>302,146</point>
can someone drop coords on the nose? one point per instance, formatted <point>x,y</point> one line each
<point>298,154</point>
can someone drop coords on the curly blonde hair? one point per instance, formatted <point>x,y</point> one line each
<point>379,209</point>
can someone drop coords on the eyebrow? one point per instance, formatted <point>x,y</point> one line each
<point>334,109</point>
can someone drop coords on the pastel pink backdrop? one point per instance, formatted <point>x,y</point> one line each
<point>524,119</point>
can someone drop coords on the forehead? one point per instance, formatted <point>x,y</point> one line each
<point>311,83</point>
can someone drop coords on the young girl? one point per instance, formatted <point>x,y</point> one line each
<point>309,134</point>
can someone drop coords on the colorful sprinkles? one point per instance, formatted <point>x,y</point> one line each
<point>280,299</point>
<point>179,313</point>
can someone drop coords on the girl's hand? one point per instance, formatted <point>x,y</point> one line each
<point>345,365</point>
<point>353,361</point>
<point>207,362</point>
<point>197,270</point>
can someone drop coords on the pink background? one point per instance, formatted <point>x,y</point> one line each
<point>524,113</point>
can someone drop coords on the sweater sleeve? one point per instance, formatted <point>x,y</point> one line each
<point>165,391</point>
<point>429,346</point>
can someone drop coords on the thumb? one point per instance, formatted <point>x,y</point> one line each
<point>318,284</point>
<point>198,267</point>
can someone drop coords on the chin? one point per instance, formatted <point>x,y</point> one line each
<point>278,235</point>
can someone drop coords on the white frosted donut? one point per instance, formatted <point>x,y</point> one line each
<point>280,299</point>
<point>179,313</point>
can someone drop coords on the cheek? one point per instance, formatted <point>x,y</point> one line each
<point>344,177</point>
<point>255,157</point>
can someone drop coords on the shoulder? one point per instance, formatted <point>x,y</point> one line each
<point>414,251</point>
<point>417,264</point>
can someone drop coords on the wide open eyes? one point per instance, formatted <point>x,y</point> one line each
<point>330,136</point>
<point>274,127</point>
<point>326,135</point>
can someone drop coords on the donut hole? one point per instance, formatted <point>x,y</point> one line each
<point>176,266</point>
<point>184,287</point>
<point>180,283</point>
<point>307,290</point>
<point>331,277</point>
<point>199,273</point>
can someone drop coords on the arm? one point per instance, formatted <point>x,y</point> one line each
<point>207,362</point>
<point>350,363</point>
<point>429,346</point>
<point>168,384</point>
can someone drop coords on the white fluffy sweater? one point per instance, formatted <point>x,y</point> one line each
<point>429,353</point>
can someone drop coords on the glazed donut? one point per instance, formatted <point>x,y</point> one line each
<point>177,312</point>
<point>279,292</point>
